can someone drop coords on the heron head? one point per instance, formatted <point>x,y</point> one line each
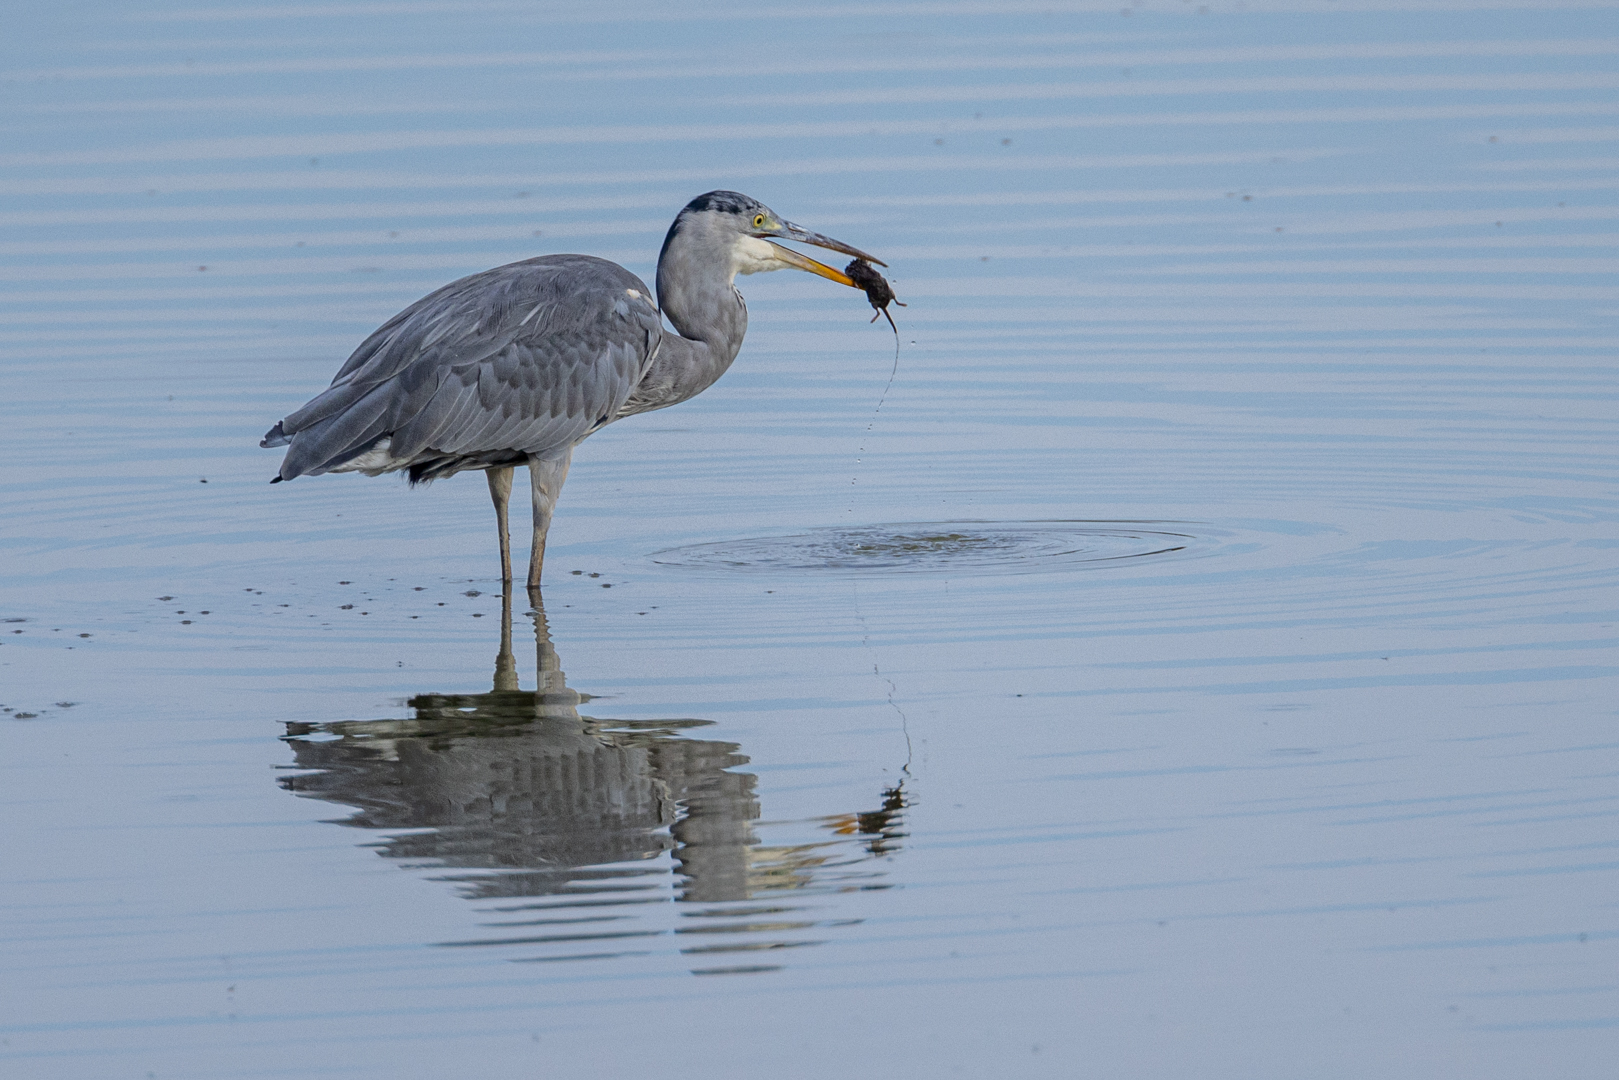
<point>730,228</point>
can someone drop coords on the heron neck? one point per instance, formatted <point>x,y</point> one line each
<point>699,297</point>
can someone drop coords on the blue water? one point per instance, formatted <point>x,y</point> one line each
<point>1200,660</point>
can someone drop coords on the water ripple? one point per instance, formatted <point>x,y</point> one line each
<point>977,547</point>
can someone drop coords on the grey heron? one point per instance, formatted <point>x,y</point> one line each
<point>519,364</point>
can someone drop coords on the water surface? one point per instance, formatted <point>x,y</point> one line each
<point>1199,659</point>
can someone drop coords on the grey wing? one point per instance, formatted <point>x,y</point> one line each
<point>523,360</point>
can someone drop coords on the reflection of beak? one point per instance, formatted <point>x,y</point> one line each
<point>789,231</point>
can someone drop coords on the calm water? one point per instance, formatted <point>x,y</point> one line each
<point>1201,664</point>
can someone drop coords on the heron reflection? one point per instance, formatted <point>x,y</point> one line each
<point>520,796</point>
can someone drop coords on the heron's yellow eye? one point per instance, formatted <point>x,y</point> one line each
<point>758,221</point>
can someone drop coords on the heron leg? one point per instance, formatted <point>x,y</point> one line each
<point>545,476</point>
<point>500,490</point>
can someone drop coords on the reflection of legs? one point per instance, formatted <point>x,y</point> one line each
<point>505,662</point>
<point>553,700</point>
<point>500,490</point>
<point>548,675</point>
<point>545,477</point>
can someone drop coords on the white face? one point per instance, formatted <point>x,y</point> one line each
<point>750,255</point>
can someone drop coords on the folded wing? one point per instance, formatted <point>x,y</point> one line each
<point>519,361</point>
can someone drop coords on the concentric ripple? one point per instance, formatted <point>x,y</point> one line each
<point>979,547</point>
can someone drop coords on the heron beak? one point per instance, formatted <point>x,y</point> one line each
<point>804,262</point>
<point>789,231</point>
<point>804,236</point>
